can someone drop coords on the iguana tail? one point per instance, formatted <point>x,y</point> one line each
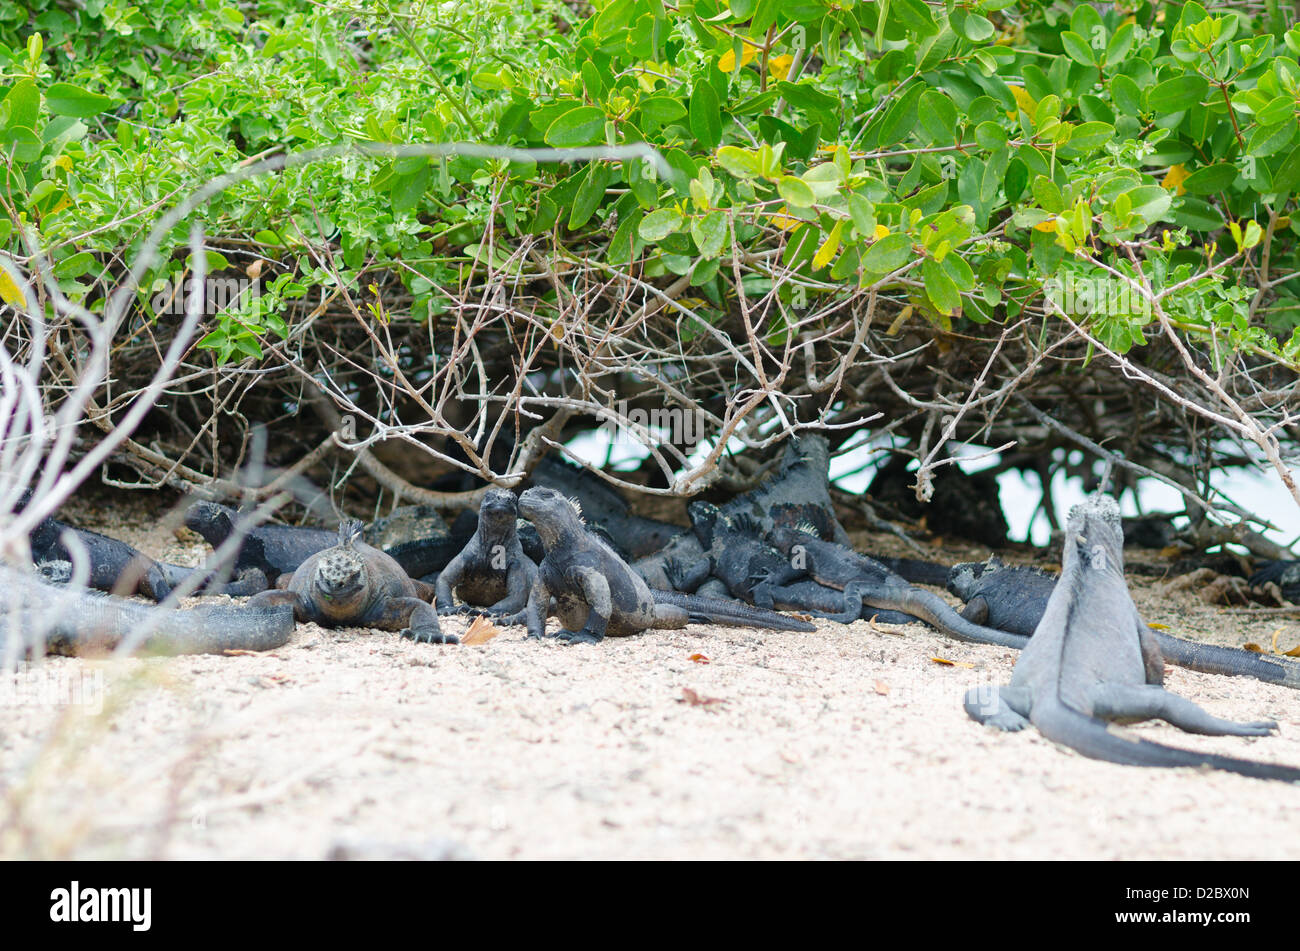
<point>935,611</point>
<point>1091,737</point>
<point>1233,661</point>
<point>716,611</point>
<point>69,622</point>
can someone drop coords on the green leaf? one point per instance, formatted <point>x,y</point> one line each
<point>24,105</point>
<point>900,120</point>
<point>706,115</point>
<point>582,125</point>
<point>1211,179</point>
<point>1177,94</point>
<point>939,287</point>
<point>590,195</point>
<point>742,163</point>
<point>888,254</point>
<point>1077,48</point>
<point>65,99</point>
<point>709,233</point>
<point>796,192</point>
<point>977,28</point>
<point>939,116</point>
<point>75,265</point>
<point>659,224</point>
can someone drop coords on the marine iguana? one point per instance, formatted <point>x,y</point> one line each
<point>71,622</point>
<point>809,597</point>
<point>1014,598</point>
<point>597,594</point>
<point>274,550</point>
<point>355,585</point>
<point>734,553</point>
<point>798,494</point>
<point>1092,659</point>
<point>965,505</point>
<point>632,536</point>
<point>859,576</point>
<point>492,571</point>
<point>118,568</point>
<point>1285,574</point>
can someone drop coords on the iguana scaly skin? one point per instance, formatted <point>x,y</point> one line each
<point>1092,659</point>
<point>861,577</point>
<point>354,585</point>
<point>799,493</point>
<point>1014,598</point>
<point>274,550</point>
<point>491,572</point>
<point>597,594</point>
<point>73,622</point>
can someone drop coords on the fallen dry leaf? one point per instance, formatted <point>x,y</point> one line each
<point>697,700</point>
<point>1158,626</point>
<point>1252,647</point>
<point>952,663</point>
<point>700,659</point>
<point>481,630</point>
<point>882,688</point>
<point>883,630</point>
<point>240,652</point>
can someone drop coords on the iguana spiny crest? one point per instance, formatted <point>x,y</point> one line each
<point>341,572</point>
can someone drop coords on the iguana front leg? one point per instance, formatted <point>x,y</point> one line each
<point>1003,708</point>
<point>1134,702</point>
<point>600,605</point>
<point>510,608</point>
<point>277,597</point>
<point>450,577</point>
<point>689,579</point>
<point>414,619</point>
<point>539,605</point>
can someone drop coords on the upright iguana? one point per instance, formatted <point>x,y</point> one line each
<point>1092,659</point>
<point>861,577</point>
<point>491,572</point>
<point>354,585</point>
<point>1014,598</point>
<point>597,594</point>
<point>67,621</point>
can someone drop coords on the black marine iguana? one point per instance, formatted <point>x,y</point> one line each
<point>274,550</point>
<point>354,585</point>
<point>116,567</point>
<point>860,577</point>
<point>633,536</point>
<point>798,494</point>
<point>1285,574</point>
<point>492,571</point>
<point>1014,598</point>
<point>596,592</point>
<point>72,622</point>
<point>1092,659</point>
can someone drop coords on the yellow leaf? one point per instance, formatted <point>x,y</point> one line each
<point>778,67</point>
<point>1176,176</point>
<point>1158,627</point>
<point>881,232</point>
<point>951,663</point>
<point>784,221</point>
<point>1026,103</point>
<point>1049,226</point>
<point>901,319</point>
<point>481,630</point>
<point>64,163</point>
<point>727,62</point>
<point>10,292</point>
<point>827,251</point>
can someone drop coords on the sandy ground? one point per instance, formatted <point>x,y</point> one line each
<point>847,743</point>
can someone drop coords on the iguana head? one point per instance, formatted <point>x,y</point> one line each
<point>498,511</point>
<point>705,517</point>
<point>556,516</point>
<point>1093,536</point>
<point>340,578</point>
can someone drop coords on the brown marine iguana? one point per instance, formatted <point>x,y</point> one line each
<point>597,594</point>
<point>1014,598</point>
<point>354,585</point>
<point>491,572</point>
<point>864,578</point>
<point>68,621</point>
<point>1092,659</point>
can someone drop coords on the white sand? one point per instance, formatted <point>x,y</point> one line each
<point>850,742</point>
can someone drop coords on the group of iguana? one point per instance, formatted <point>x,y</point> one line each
<point>1087,655</point>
